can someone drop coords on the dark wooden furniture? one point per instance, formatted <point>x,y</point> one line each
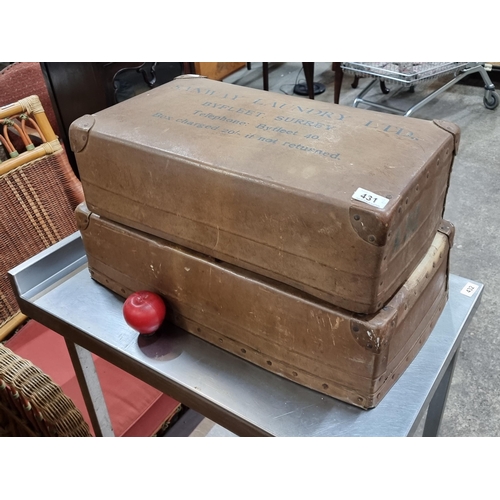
<point>77,88</point>
<point>309,76</point>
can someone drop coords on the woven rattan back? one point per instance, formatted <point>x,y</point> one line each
<point>35,213</point>
<point>31,404</point>
<point>38,195</point>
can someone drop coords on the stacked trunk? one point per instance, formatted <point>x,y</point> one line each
<point>302,236</point>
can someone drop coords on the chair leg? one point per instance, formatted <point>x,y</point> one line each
<point>265,75</point>
<point>309,74</point>
<point>339,76</point>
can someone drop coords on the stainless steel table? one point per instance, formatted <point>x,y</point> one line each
<point>55,288</point>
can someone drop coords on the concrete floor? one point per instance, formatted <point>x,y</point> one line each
<point>473,205</point>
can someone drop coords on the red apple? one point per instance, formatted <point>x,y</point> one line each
<point>144,311</point>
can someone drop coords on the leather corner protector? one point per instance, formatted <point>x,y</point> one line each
<point>368,339</point>
<point>448,228</point>
<point>82,215</point>
<point>453,129</point>
<point>368,226</point>
<point>79,133</point>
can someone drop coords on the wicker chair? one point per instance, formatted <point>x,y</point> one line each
<point>36,179</point>
<point>42,396</point>
<point>31,404</point>
<point>38,195</point>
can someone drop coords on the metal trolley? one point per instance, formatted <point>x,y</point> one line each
<point>409,74</point>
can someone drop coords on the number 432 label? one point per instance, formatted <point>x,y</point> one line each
<point>469,289</point>
<point>370,198</point>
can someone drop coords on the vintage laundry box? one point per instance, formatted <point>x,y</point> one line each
<point>339,202</point>
<point>355,358</point>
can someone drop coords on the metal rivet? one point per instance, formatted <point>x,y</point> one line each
<point>355,328</point>
<point>371,238</point>
<point>325,386</point>
<point>356,217</point>
<point>243,351</point>
<point>269,363</point>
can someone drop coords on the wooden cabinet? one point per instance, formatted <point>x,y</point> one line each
<point>216,70</point>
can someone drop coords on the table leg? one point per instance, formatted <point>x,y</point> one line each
<point>265,75</point>
<point>438,401</point>
<point>91,389</point>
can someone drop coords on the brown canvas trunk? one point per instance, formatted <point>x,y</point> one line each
<point>349,356</point>
<point>266,182</point>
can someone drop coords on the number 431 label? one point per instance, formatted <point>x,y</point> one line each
<point>370,198</point>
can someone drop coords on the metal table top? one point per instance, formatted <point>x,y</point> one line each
<point>55,288</point>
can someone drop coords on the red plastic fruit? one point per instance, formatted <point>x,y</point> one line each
<point>144,311</point>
